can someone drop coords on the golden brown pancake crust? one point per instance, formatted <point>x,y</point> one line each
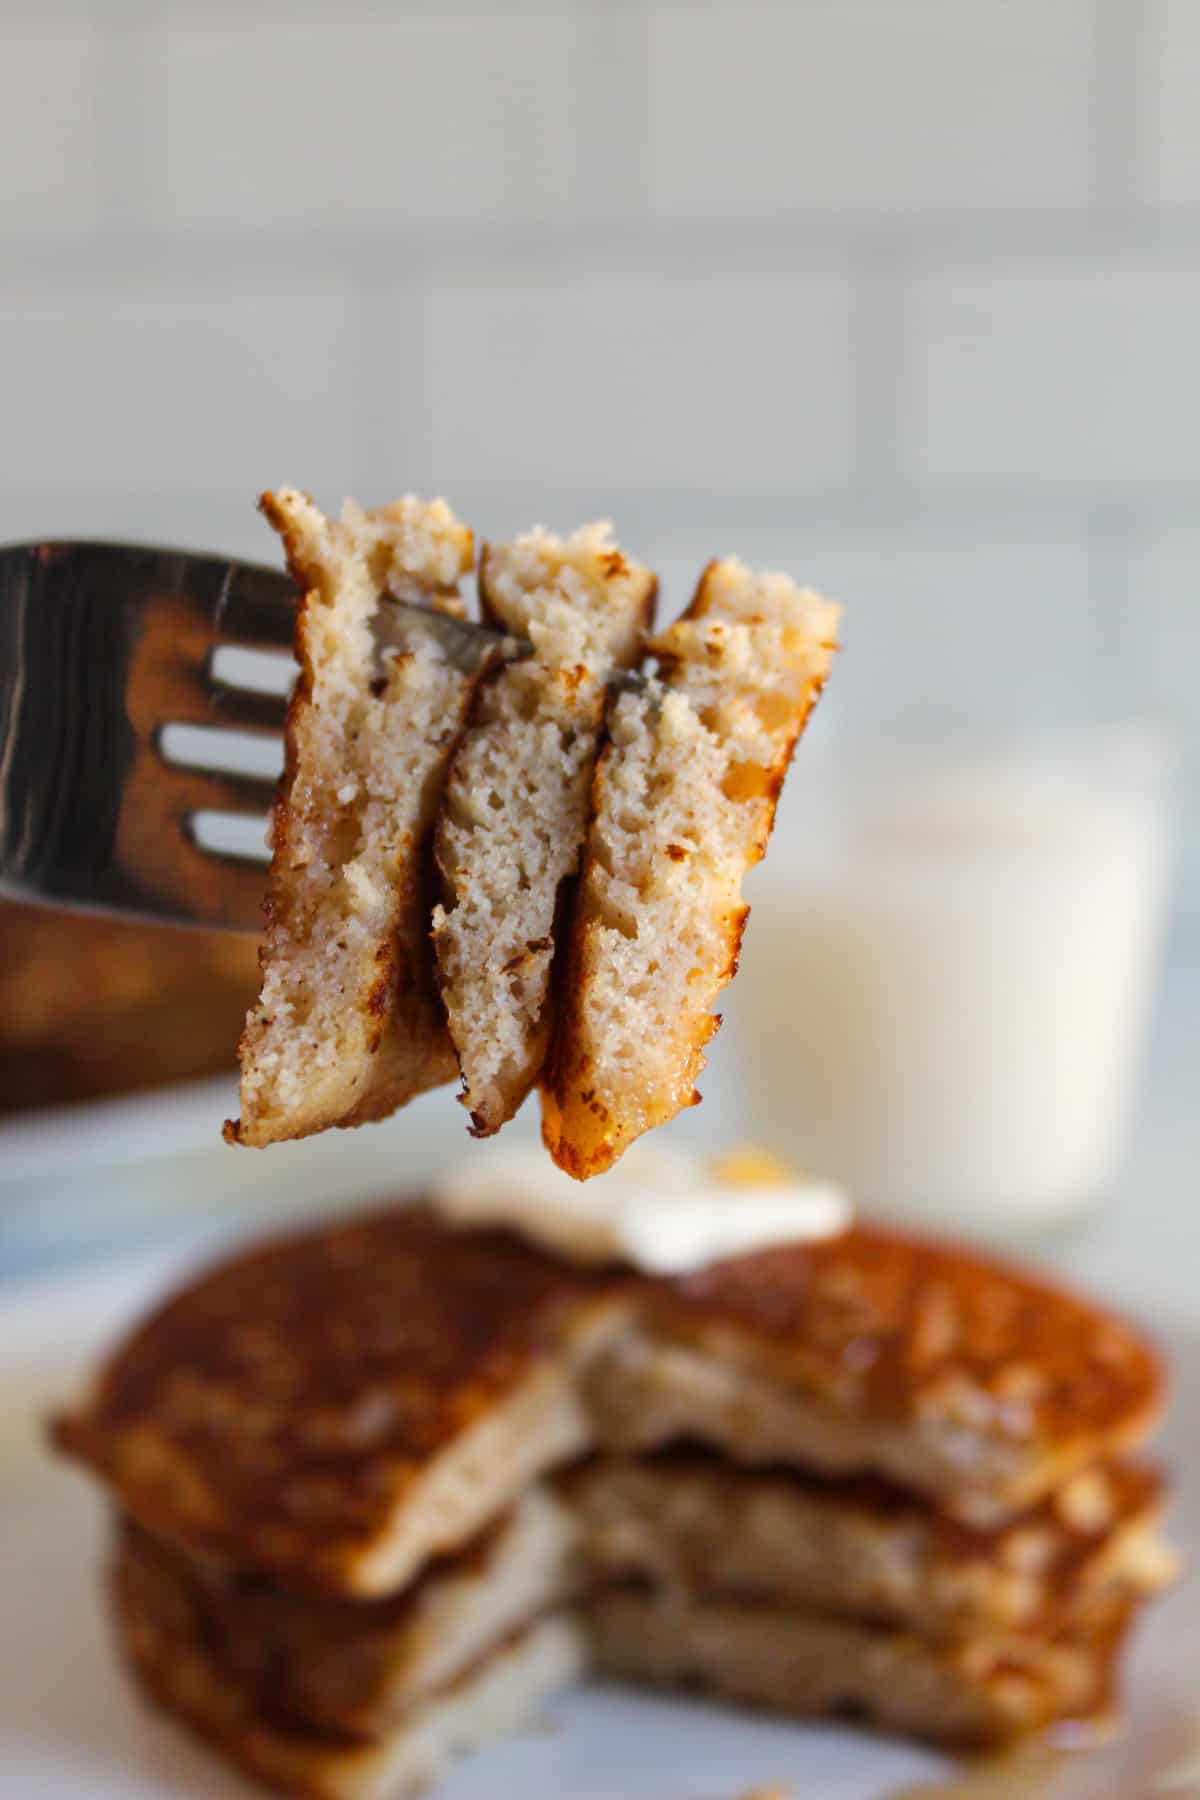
<point>315,1662</point>
<point>889,1327</point>
<point>171,1653</point>
<point>279,1408</point>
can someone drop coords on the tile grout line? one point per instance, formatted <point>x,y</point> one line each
<point>764,247</point>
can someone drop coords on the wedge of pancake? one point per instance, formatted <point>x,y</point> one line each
<point>360,1668</point>
<point>941,1370</point>
<point>163,1630</point>
<point>340,1405</point>
<point>683,803</point>
<point>694,1522</point>
<point>514,812</point>
<point>348,1025</point>
<point>963,1696</point>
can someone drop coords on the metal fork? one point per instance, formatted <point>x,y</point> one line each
<point>103,648</point>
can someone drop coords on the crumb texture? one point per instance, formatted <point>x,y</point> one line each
<point>347,1025</point>
<point>515,807</point>
<point>684,800</point>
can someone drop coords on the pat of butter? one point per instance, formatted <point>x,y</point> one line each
<point>664,1212</point>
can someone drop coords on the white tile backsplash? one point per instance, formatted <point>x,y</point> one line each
<point>48,104</point>
<point>619,379</point>
<point>1070,372</point>
<point>869,107</point>
<point>956,627</point>
<point>367,119</point>
<point>131,383</point>
<point>899,294</point>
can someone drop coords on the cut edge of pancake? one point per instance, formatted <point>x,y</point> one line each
<point>540,1426</point>
<point>514,809</point>
<point>649,1392</point>
<point>696,1521</point>
<point>348,1666</point>
<point>496,1695</point>
<point>683,800</point>
<point>347,1025</point>
<point>967,1696</point>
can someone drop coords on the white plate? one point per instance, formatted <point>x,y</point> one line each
<point>71,1727</point>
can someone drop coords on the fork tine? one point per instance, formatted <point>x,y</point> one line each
<point>173,686</point>
<point>216,790</point>
<point>245,710</point>
<point>157,852</point>
<point>196,697</point>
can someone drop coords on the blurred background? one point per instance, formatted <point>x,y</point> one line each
<point>899,295</point>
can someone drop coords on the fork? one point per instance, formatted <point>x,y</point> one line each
<point>105,649</point>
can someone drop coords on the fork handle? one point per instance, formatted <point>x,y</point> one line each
<point>66,742</point>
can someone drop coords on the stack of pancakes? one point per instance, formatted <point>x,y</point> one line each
<point>383,1486</point>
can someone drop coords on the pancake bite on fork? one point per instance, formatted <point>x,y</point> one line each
<point>348,1025</point>
<point>515,807</point>
<point>683,804</point>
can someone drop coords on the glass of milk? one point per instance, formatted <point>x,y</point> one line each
<point>944,991</point>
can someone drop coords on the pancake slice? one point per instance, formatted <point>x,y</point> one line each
<point>348,1025</point>
<point>175,1661</point>
<point>683,802</point>
<point>696,1523</point>
<point>944,1371</point>
<point>342,1404</point>
<point>514,810</point>
<point>359,1667</point>
<point>965,1696</point>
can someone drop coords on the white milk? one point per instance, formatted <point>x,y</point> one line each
<point>945,1013</point>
